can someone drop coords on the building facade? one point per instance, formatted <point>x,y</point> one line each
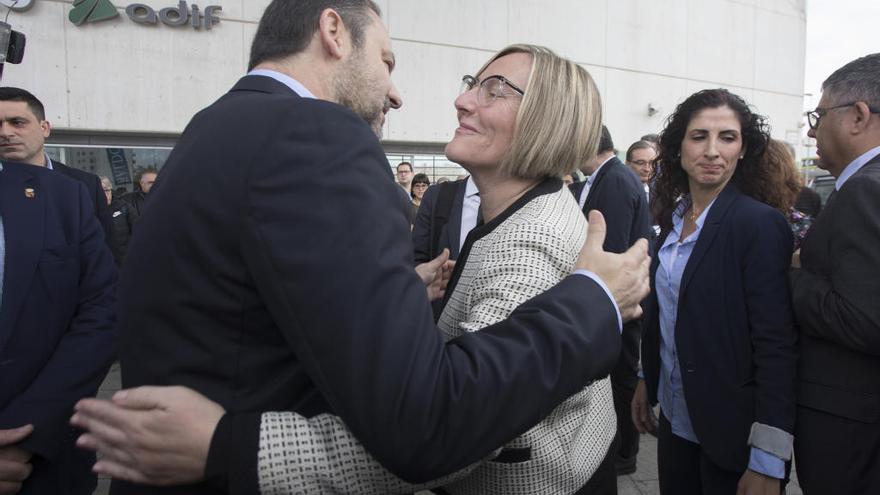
<point>121,79</point>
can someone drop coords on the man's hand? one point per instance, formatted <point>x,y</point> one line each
<point>435,274</point>
<point>642,414</point>
<point>753,483</point>
<point>14,461</point>
<point>626,275</point>
<point>796,259</point>
<point>150,435</point>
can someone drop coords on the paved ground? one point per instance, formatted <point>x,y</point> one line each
<point>642,482</point>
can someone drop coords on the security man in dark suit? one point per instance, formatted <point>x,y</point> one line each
<point>614,190</point>
<point>22,139</point>
<point>835,294</point>
<point>57,317</point>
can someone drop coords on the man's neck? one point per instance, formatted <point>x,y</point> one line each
<point>40,159</point>
<point>597,164</point>
<point>306,73</point>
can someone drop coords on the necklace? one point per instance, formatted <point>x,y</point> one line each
<point>695,213</point>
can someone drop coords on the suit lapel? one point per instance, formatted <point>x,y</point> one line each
<point>453,225</point>
<point>707,234</point>
<point>24,226</point>
<point>591,194</point>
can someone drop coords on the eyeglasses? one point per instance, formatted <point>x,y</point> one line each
<point>641,163</point>
<point>491,88</point>
<point>813,117</point>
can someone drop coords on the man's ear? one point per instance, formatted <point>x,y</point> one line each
<point>47,128</point>
<point>863,115</point>
<point>332,33</point>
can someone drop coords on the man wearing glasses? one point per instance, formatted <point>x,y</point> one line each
<point>835,281</point>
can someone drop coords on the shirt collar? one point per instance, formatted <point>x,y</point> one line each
<point>48,162</point>
<point>284,79</point>
<point>470,188</point>
<point>678,220</point>
<point>855,165</point>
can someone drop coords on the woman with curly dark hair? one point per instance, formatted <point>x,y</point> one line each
<point>718,350</point>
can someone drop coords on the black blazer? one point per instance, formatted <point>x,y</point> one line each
<point>835,297</point>
<point>96,197</point>
<point>617,193</point>
<point>285,282</point>
<point>734,334</point>
<point>450,233</point>
<point>57,319</point>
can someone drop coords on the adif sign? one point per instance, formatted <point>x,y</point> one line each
<point>174,16</point>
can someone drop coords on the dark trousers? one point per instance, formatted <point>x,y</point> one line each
<point>624,378</point>
<point>836,455</point>
<point>684,469</point>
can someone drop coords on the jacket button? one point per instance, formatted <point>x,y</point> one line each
<point>689,367</point>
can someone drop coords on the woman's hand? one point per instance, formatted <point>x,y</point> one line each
<point>753,483</point>
<point>642,414</point>
<point>436,274</point>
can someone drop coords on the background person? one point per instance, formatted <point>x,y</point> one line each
<point>834,287</point>
<point>779,163</point>
<point>718,349</point>
<point>405,176</point>
<point>420,183</point>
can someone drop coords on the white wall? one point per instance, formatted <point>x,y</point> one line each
<point>120,76</point>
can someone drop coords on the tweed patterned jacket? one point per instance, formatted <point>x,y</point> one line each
<point>502,265</point>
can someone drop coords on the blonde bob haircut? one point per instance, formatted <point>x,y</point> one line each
<point>559,121</point>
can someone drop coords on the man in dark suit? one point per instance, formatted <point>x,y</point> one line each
<point>22,139</point>
<point>57,287</point>
<point>229,287</point>
<point>614,190</point>
<point>448,212</point>
<point>835,293</point>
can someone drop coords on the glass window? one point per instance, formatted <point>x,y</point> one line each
<point>120,165</point>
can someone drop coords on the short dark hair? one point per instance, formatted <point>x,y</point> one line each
<point>139,174</point>
<point>651,138</point>
<point>605,142</point>
<point>287,26</point>
<point>750,176</point>
<point>639,145</point>
<point>8,93</point>
<point>408,164</point>
<point>856,81</point>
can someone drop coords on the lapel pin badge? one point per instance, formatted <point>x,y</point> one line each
<point>29,193</point>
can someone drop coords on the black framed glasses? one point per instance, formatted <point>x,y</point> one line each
<point>491,88</point>
<point>814,116</point>
<point>641,163</point>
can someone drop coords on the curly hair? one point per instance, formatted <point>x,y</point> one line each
<point>750,177</point>
<point>779,163</point>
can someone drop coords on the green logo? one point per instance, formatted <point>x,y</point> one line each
<point>92,11</point>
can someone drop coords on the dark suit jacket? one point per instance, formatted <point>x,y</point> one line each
<point>96,197</point>
<point>57,316</point>
<point>734,334</point>
<point>835,297</point>
<point>450,234</point>
<point>262,289</point>
<point>618,194</point>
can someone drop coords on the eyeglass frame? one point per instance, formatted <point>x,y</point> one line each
<point>470,82</point>
<point>818,113</point>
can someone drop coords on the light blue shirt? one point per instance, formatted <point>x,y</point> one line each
<point>855,165</point>
<point>674,256</point>
<point>284,79</point>
<point>588,183</point>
